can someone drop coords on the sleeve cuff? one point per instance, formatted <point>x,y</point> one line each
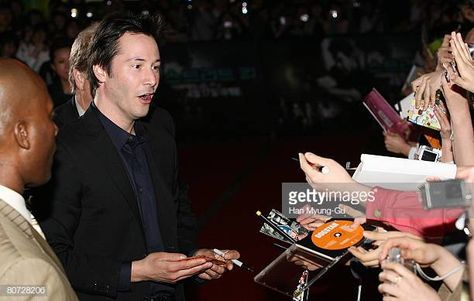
<point>125,276</point>
<point>412,152</point>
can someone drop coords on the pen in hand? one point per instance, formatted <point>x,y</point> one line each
<point>322,169</point>
<point>234,261</point>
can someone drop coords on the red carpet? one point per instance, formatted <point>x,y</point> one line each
<point>229,182</point>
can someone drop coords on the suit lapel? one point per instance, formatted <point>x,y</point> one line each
<point>108,155</point>
<point>162,194</point>
<point>16,218</point>
<point>25,227</point>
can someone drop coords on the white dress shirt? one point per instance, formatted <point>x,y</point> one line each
<point>17,202</point>
<point>80,110</point>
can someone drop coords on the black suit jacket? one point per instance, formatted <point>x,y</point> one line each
<point>66,113</point>
<point>94,225</point>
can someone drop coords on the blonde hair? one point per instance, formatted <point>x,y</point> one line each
<point>79,55</point>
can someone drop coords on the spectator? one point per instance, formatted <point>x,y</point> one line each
<point>60,90</point>
<point>34,52</point>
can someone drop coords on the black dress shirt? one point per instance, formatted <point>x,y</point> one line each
<point>132,149</point>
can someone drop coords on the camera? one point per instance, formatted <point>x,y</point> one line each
<point>445,194</point>
<point>427,153</point>
<point>394,255</point>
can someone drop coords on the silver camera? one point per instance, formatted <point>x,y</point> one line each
<point>452,193</point>
<point>427,153</point>
<point>394,255</point>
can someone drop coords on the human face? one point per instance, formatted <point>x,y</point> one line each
<point>42,135</point>
<point>126,92</point>
<point>61,63</point>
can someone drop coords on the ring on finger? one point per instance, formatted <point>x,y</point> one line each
<point>397,279</point>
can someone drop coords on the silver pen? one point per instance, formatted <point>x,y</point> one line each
<point>237,262</point>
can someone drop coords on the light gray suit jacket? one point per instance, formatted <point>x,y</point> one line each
<point>27,260</point>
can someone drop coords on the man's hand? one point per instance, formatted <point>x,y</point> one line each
<point>167,267</point>
<point>216,270</point>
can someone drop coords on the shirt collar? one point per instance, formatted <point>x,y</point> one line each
<point>118,135</point>
<point>16,201</point>
<point>80,110</point>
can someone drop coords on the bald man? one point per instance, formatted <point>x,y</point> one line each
<point>29,269</point>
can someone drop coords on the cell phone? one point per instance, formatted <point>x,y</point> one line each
<point>445,194</point>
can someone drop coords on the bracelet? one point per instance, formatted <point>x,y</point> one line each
<point>439,278</point>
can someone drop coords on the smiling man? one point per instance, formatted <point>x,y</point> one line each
<point>118,222</point>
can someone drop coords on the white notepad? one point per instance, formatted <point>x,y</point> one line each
<point>399,173</point>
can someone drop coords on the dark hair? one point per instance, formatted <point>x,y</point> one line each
<point>104,44</point>
<point>58,43</point>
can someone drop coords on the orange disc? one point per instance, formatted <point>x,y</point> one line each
<point>337,235</point>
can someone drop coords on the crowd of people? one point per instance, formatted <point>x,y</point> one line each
<point>422,234</point>
<point>204,20</point>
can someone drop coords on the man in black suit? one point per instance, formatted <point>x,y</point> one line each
<point>80,101</point>
<point>117,222</point>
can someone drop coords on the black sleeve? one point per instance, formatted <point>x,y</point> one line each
<point>187,224</point>
<point>87,273</point>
